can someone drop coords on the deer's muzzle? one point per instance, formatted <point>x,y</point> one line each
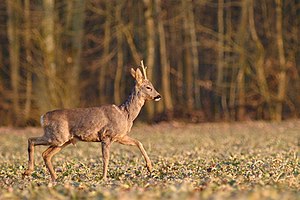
<point>157,98</point>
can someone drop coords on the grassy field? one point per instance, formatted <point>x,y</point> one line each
<point>251,160</point>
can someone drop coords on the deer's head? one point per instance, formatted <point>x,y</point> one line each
<point>144,86</point>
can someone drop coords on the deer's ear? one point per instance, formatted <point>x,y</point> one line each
<point>139,76</point>
<point>132,71</point>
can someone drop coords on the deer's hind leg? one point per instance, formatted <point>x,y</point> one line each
<point>49,153</point>
<point>32,142</point>
<point>105,156</point>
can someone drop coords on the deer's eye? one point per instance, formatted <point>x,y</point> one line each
<point>148,88</point>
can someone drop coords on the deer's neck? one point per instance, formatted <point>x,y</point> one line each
<point>133,104</point>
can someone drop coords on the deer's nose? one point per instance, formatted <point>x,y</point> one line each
<point>157,98</point>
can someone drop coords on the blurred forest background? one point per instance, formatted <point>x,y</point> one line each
<point>211,60</point>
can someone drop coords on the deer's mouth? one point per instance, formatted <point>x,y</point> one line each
<point>157,98</point>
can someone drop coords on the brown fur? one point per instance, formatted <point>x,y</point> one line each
<point>105,124</point>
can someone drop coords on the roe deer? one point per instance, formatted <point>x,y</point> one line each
<point>105,124</point>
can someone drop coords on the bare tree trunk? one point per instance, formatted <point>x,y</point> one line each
<point>220,62</point>
<point>194,50</point>
<point>14,53</point>
<point>49,54</point>
<point>221,87</point>
<point>189,75</point>
<point>165,65</point>
<point>229,63</point>
<point>282,77</point>
<point>120,56</point>
<point>150,29</point>
<point>78,18</point>
<point>259,64</point>
<point>242,61</point>
<point>106,49</point>
<point>189,83</point>
<point>241,94</point>
<point>68,14</point>
<point>28,65</point>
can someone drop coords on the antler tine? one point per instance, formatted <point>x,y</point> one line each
<point>144,69</point>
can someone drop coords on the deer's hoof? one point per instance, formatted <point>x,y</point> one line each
<point>52,183</point>
<point>27,173</point>
<point>149,167</point>
<point>104,178</point>
<point>53,178</point>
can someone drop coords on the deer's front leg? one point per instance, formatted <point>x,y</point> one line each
<point>126,140</point>
<point>105,157</point>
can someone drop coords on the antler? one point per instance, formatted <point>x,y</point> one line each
<point>144,69</point>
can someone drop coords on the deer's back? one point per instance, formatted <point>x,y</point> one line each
<point>86,124</point>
